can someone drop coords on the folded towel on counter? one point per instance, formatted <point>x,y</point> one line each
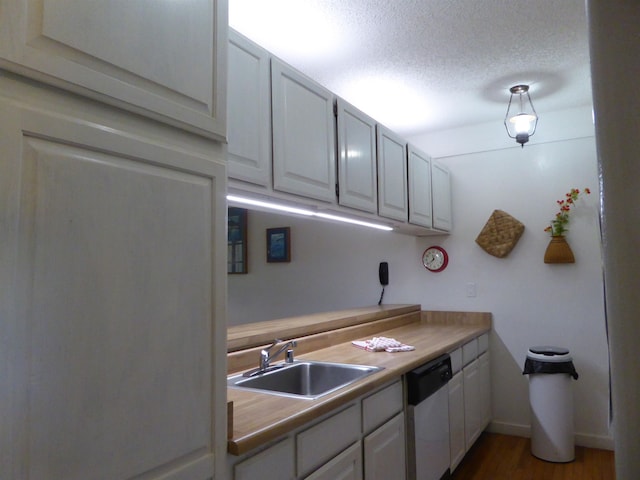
<point>382,344</point>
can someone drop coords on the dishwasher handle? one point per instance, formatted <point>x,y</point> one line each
<point>424,381</point>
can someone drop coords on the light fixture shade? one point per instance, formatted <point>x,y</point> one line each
<point>521,119</point>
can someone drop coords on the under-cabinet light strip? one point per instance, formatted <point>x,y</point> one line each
<point>355,222</point>
<point>272,206</point>
<point>301,211</point>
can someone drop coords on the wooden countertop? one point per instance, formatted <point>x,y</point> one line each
<point>260,417</point>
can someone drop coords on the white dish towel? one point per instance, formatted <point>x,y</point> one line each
<point>382,344</point>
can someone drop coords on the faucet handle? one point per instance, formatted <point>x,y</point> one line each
<point>275,342</point>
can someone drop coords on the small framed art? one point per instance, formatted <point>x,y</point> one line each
<point>278,245</point>
<point>237,240</point>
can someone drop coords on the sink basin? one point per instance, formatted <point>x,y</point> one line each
<point>303,379</point>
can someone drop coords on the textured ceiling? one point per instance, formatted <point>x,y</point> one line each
<point>425,65</point>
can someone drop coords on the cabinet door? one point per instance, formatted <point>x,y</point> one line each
<point>114,246</point>
<point>441,194</point>
<point>484,373</point>
<point>357,180</point>
<point>304,153</point>
<point>323,441</point>
<point>384,451</point>
<point>249,107</point>
<point>456,419</point>
<point>346,466</point>
<point>472,404</point>
<point>274,463</point>
<point>126,54</point>
<point>392,175</point>
<point>419,187</point>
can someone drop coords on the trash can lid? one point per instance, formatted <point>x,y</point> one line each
<point>549,354</point>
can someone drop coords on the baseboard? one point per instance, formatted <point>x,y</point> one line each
<point>582,439</point>
<point>509,429</point>
<point>594,441</point>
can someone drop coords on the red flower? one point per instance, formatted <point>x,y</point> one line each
<point>559,224</point>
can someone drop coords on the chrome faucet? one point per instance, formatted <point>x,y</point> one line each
<point>266,356</point>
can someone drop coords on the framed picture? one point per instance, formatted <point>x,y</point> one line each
<point>278,245</point>
<point>237,240</point>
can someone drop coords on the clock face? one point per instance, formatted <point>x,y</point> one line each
<point>435,259</point>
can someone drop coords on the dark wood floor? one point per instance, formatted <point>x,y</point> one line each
<point>502,457</point>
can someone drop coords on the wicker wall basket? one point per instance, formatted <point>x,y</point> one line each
<point>500,234</point>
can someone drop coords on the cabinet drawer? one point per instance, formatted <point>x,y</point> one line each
<point>276,460</point>
<point>456,360</point>
<point>483,343</point>
<point>346,466</point>
<point>326,439</point>
<point>469,352</point>
<point>381,406</point>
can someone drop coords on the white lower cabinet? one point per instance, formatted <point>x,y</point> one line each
<point>484,374</point>
<point>456,419</point>
<point>346,466</point>
<point>274,463</point>
<point>385,452</point>
<point>365,439</point>
<point>469,397</point>
<point>318,444</point>
<point>472,413</point>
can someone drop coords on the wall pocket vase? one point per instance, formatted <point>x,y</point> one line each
<point>558,251</point>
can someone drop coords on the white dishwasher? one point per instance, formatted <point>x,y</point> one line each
<point>428,420</point>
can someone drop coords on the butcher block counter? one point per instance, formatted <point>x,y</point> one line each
<point>258,418</point>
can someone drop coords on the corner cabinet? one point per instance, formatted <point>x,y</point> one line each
<point>126,54</point>
<point>357,175</point>
<point>392,175</point>
<point>113,244</point>
<point>249,106</point>
<point>304,143</point>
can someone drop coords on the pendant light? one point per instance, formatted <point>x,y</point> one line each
<point>521,119</point>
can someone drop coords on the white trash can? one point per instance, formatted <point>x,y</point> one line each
<point>550,371</point>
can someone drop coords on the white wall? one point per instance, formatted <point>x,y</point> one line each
<point>335,266</point>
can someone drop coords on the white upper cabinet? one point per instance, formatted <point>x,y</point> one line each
<point>420,211</point>
<point>159,58</point>
<point>357,181</point>
<point>115,267</point>
<point>249,107</point>
<point>392,175</point>
<point>304,152</point>
<point>441,194</point>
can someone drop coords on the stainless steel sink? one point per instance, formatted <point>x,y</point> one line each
<point>303,379</point>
